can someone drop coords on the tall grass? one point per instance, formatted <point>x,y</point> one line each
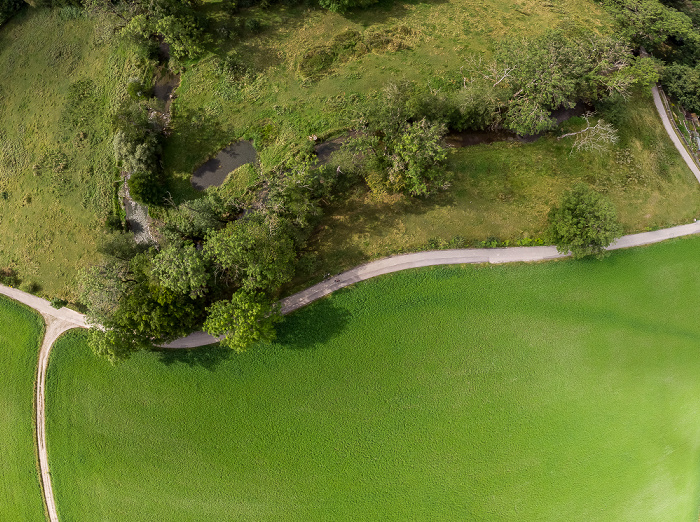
<point>61,77</point>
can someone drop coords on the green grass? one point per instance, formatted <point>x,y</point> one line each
<point>556,391</point>
<point>505,190</point>
<point>275,103</point>
<point>60,79</point>
<point>20,334</point>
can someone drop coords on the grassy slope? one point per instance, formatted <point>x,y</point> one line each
<point>20,333</point>
<point>558,391</point>
<point>505,190</point>
<point>209,112</point>
<point>50,220</point>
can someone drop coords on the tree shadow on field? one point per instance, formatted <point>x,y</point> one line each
<point>312,327</point>
<point>207,357</point>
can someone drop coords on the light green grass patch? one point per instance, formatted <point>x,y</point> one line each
<point>21,332</point>
<point>557,391</point>
<point>56,158</point>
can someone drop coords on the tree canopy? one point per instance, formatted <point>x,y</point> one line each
<point>585,223</point>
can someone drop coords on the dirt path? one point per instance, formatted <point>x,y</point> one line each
<point>54,328</point>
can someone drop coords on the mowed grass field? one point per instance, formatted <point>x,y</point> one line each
<point>556,391</point>
<point>21,332</point>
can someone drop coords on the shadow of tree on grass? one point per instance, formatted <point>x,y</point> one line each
<point>207,357</point>
<point>312,326</point>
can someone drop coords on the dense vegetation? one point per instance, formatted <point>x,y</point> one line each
<point>558,391</point>
<point>220,261</point>
<point>21,331</point>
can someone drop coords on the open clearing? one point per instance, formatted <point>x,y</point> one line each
<point>557,391</point>
<point>21,331</point>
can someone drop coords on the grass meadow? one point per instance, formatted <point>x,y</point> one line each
<point>503,191</point>
<point>61,74</point>
<point>21,331</point>
<point>554,391</point>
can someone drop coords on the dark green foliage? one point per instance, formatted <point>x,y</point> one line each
<point>650,23</point>
<point>147,188</point>
<point>340,6</point>
<point>246,319</point>
<point>124,297</point>
<point>9,277</point>
<point>417,159</point>
<point>254,253</point>
<point>182,269</point>
<point>403,150</point>
<point>585,223</point>
<point>253,25</point>
<point>559,69</point>
<point>113,223</point>
<point>137,90</point>
<point>683,84</point>
<point>58,303</point>
<point>9,8</point>
<point>192,220</point>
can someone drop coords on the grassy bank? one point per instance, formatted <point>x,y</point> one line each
<point>503,192</point>
<point>557,391</point>
<point>61,75</point>
<point>20,334</point>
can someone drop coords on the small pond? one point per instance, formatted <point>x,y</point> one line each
<point>213,172</point>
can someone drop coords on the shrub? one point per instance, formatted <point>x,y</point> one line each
<point>8,277</point>
<point>137,90</point>
<point>58,303</point>
<point>585,223</point>
<point>146,188</point>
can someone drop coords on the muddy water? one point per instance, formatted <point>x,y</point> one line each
<point>214,172</point>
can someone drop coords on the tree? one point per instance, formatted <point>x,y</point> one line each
<point>9,8</point>
<point>246,319</point>
<point>585,223</point>
<point>683,84</point>
<point>417,159</point>
<point>593,137</point>
<point>255,256</point>
<point>182,269</point>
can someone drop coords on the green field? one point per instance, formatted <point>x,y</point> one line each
<point>20,334</point>
<point>555,391</point>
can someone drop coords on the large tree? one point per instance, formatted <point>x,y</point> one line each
<point>246,319</point>
<point>585,223</point>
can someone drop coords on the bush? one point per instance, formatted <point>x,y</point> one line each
<point>58,303</point>
<point>683,84</point>
<point>137,90</point>
<point>8,277</point>
<point>585,223</point>
<point>146,188</point>
<point>340,6</point>
<point>113,223</point>
<point>253,25</point>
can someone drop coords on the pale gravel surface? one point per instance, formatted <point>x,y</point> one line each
<point>58,321</point>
